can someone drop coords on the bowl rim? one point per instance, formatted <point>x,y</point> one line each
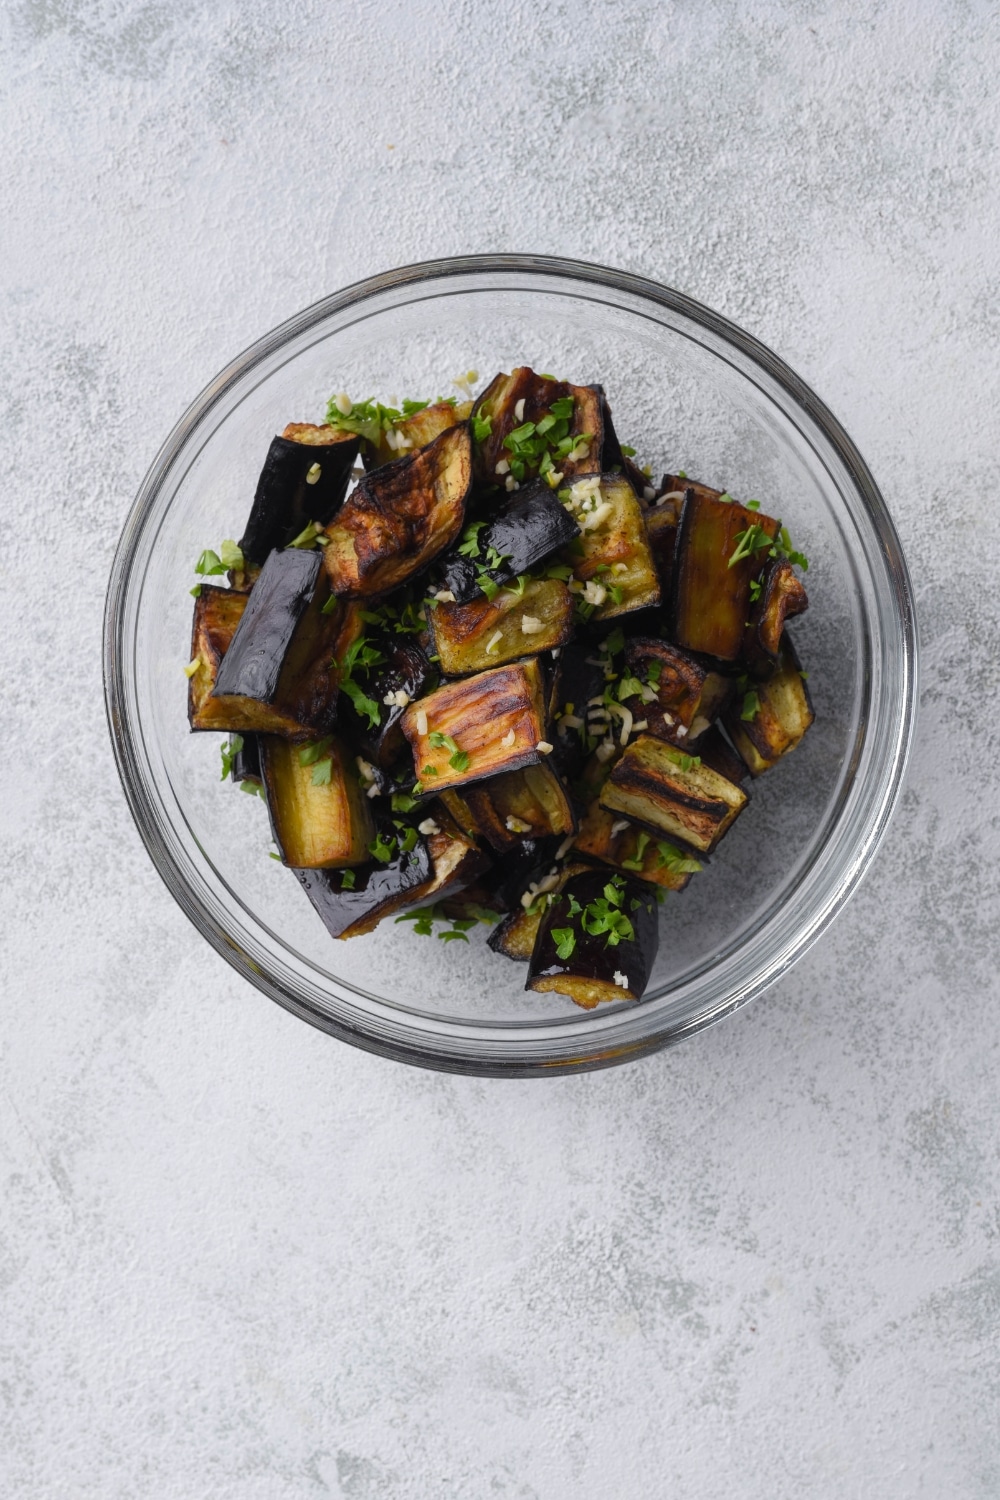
<point>427,1054</point>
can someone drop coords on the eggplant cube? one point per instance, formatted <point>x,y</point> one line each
<point>304,478</point>
<point>780,596</point>
<point>515,936</point>
<point>716,558</point>
<point>669,792</point>
<point>597,940</point>
<point>320,817</point>
<point>473,637</point>
<point>533,524</point>
<point>415,431</point>
<point>358,907</point>
<point>782,714</point>
<point>400,517</point>
<point>276,676</point>
<point>517,403</point>
<point>612,557</point>
<point>681,696</point>
<point>478,726</point>
<point>529,803</point>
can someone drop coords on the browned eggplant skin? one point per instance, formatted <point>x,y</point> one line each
<point>782,596</point>
<point>709,600</point>
<point>499,403</point>
<point>400,517</point>
<point>689,693</point>
<point>304,478</point>
<point>587,975</point>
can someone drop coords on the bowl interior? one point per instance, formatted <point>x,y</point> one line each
<point>686,398</point>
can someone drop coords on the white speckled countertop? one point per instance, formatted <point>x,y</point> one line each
<point>239,1261</point>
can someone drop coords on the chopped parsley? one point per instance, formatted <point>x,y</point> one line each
<point>424,918</point>
<point>382,848</point>
<point>749,542</point>
<point>669,857</point>
<point>751,706</point>
<point>230,749</point>
<point>348,880</point>
<point>459,760</point>
<point>638,858</point>
<point>565,941</point>
<point>540,447</point>
<point>686,762</point>
<point>210,563</point>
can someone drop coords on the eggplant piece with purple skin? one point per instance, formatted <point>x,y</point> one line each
<point>780,596</point>
<point>597,940</point>
<point>510,402</point>
<point>532,526</point>
<point>404,674</point>
<point>515,936</point>
<point>400,517</point>
<point>276,675</point>
<point>304,478</point>
<point>661,788</point>
<point>577,680</point>
<point>246,760</point>
<point>534,617</point>
<point>348,910</point>
<point>771,718</point>
<point>681,695</point>
<point>716,558</point>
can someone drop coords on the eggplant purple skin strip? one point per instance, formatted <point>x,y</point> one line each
<point>339,909</point>
<point>246,761</point>
<point>533,525</point>
<point>284,503</point>
<point>406,669</point>
<point>592,957</point>
<point>252,665</point>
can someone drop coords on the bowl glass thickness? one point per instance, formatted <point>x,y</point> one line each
<point>689,391</point>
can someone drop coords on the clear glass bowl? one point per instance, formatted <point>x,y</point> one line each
<point>690,391</point>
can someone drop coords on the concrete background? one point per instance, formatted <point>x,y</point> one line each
<point>239,1260</point>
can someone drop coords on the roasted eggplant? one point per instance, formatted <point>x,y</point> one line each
<point>217,612</point>
<point>387,687</point>
<point>246,760</point>
<point>489,632</point>
<point>320,816</point>
<point>304,478</point>
<point>611,558</point>
<point>515,936</point>
<point>352,902</point>
<point>669,792</point>
<point>400,517</point>
<point>716,752</point>
<point>616,841</point>
<point>680,696</point>
<point>531,527</point>
<point>780,595</point>
<point>661,530</point>
<point>578,684</point>
<point>614,459</point>
<point>533,425</point>
<point>530,803</point>
<point>276,676</point>
<point>597,940</point>
<point>415,431</point>
<point>772,716</point>
<point>478,726</point>
<point>721,549</point>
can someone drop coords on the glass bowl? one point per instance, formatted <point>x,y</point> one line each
<point>690,391</point>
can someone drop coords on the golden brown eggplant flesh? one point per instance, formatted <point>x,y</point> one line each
<point>572,952</point>
<point>486,633</point>
<point>400,517</point>
<point>532,525</point>
<point>681,696</point>
<point>611,558</point>
<point>672,793</point>
<point>217,612</point>
<point>304,478</point>
<point>320,816</point>
<point>710,591</point>
<point>770,719</point>
<point>478,726</point>
<point>513,403</point>
<point>530,803</point>
<point>781,595</point>
<point>617,841</point>
<point>415,431</point>
<point>277,675</point>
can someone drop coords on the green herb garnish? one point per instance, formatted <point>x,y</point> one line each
<point>565,941</point>
<point>229,750</point>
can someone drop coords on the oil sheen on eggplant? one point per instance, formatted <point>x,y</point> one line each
<point>596,970</point>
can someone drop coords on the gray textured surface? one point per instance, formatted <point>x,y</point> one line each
<point>238,1260</point>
